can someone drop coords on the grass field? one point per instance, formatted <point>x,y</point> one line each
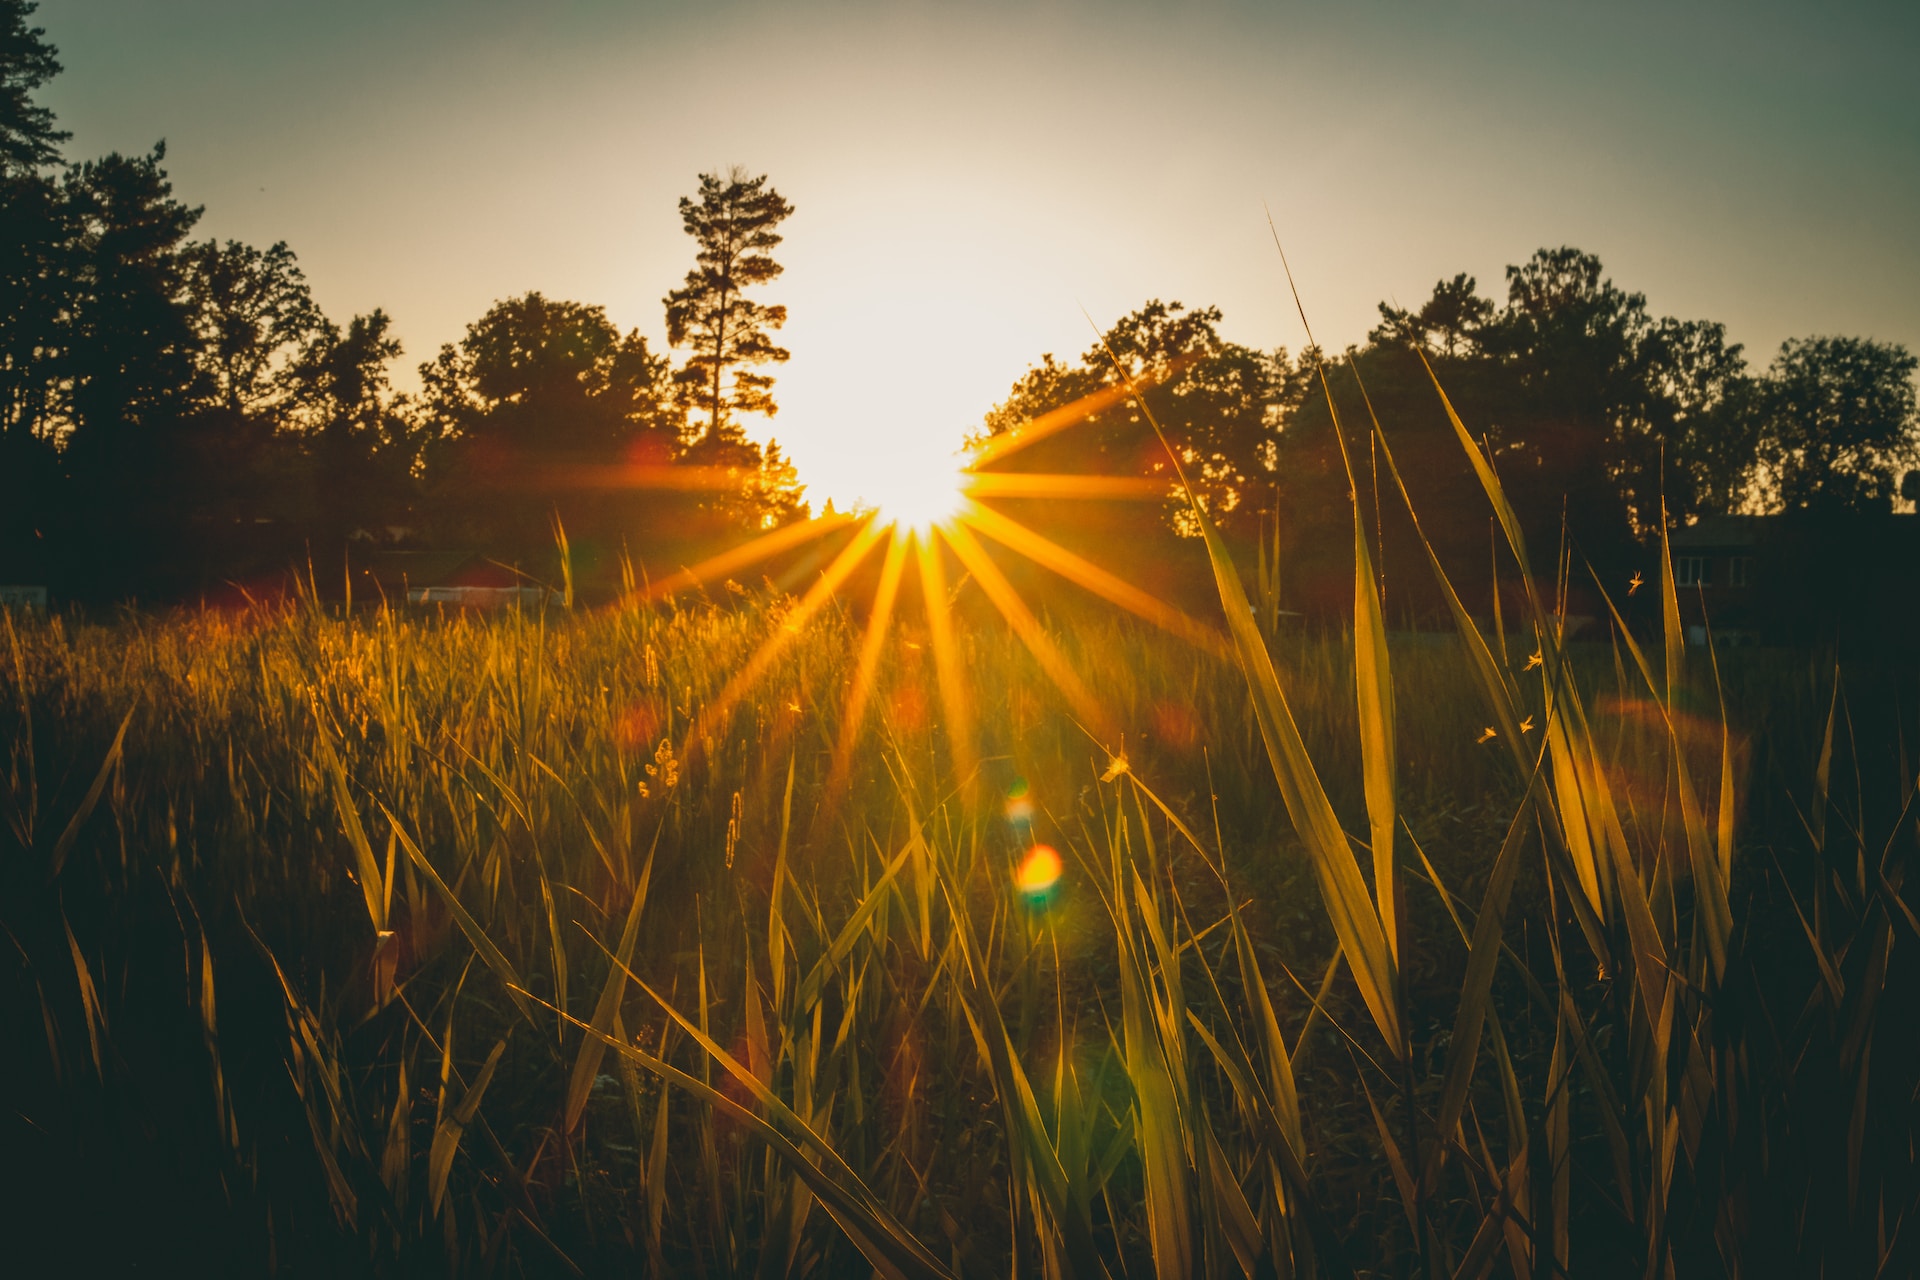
<point>402,943</point>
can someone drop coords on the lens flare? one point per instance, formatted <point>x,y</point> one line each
<point>1019,803</point>
<point>1039,872</point>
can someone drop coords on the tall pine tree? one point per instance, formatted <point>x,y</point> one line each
<point>733,222</point>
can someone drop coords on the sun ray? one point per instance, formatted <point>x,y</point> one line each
<point>637,475</point>
<point>1007,600</point>
<point>1049,554</point>
<point>760,548</point>
<point>1019,484</point>
<point>946,660</point>
<point>868,663</point>
<point>789,630</point>
<point>1065,416</point>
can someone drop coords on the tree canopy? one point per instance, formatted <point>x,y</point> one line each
<point>28,139</point>
<point>1221,405</point>
<point>1835,423</point>
<point>177,413</point>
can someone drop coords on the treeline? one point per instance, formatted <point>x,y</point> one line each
<point>1594,411</point>
<point>178,414</point>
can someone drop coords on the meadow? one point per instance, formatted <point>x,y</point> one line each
<point>377,941</point>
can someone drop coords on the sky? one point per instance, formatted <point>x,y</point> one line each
<point>978,184</point>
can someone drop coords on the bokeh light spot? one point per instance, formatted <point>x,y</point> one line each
<point>1019,802</point>
<point>1039,872</point>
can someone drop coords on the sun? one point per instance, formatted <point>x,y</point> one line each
<point>934,518</point>
<point>919,499</point>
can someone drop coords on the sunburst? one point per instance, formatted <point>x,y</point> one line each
<point>922,520</point>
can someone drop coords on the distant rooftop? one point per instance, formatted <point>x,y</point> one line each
<point>1721,531</point>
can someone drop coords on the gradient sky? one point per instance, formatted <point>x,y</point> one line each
<point>969,177</point>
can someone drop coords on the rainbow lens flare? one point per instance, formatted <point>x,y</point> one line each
<point>1019,802</point>
<point>1038,872</point>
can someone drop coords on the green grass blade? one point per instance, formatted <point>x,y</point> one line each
<point>447,1135</point>
<point>1476,990</point>
<point>492,954</point>
<point>71,832</point>
<point>586,1066</point>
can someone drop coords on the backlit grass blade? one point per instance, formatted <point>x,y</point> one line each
<point>1712,911</point>
<point>1675,639</point>
<point>1032,1155</point>
<point>447,1135</point>
<point>492,954</point>
<point>1373,685</point>
<point>90,1007</point>
<point>1237,1221</point>
<point>886,1244</point>
<point>587,1064</point>
<point>71,832</point>
<point>1476,990</point>
<point>372,884</point>
<point>1495,685</point>
<point>1157,1113</point>
<point>1490,483</point>
<point>1356,922</point>
<point>808,991</point>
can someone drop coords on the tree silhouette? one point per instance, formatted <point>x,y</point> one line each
<point>1837,423</point>
<point>1220,403</point>
<point>1691,437</point>
<point>538,386</point>
<point>360,455</point>
<point>34,289</point>
<point>252,315</point>
<point>129,362</point>
<point>252,312</point>
<point>27,136</point>
<point>1450,321</point>
<point>733,223</point>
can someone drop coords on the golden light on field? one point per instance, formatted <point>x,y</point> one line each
<point>926,515</point>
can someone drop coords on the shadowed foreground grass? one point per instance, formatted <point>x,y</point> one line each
<point>405,944</point>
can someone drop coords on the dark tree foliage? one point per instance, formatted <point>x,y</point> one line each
<point>32,292</point>
<point>1391,381</point>
<point>1700,430</point>
<point>1574,342</point>
<point>733,223</point>
<point>178,415</point>
<point>361,453</point>
<point>34,288</point>
<point>1837,423</point>
<point>1450,321</point>
<point>33,300</point>
<point>252,315</point>
<point>130,362</point>
<point>1220,404</point>
<point>251,310</point>
<point>530,417</point>
<point>27,136</point>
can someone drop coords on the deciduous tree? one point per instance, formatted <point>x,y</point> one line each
<point>539,386</point>
<point>1837,423</point>
<point>1220,404</point>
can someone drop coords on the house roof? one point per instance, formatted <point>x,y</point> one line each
<point>1712,532</point>
<point>398,570</point>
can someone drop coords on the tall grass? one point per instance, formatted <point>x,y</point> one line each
<point>398,943</point>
